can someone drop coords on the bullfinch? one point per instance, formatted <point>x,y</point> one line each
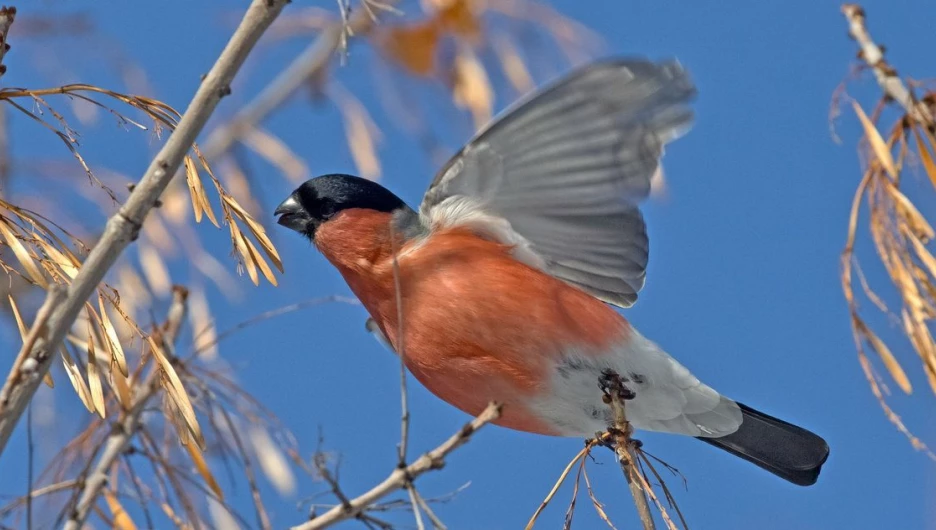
<point>508,271</point>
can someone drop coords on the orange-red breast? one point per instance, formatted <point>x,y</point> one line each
<point>520,243</point>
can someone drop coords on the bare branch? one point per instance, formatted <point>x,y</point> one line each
<point>7,15</point>
<point>886,75</point>
<point>123,227</point>
<point>22,369</point>
<point>401,477</point>
<point>309,64</point>
<point>129,423</point>
<point>625,448</point>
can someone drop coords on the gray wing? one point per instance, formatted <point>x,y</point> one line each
<point>567,167</point>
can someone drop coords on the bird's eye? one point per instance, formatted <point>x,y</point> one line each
<point>327,208</point>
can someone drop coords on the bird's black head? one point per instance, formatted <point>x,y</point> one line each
<point>318,200</point>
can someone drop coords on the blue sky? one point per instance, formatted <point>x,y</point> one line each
<point>742,284</point>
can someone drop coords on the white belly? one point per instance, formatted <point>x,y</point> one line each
<point>668,398</point>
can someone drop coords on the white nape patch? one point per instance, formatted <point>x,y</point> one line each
<point>668,398</point>
<point>461,211</point>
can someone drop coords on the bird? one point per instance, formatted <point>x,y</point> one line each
<point>510,274</point>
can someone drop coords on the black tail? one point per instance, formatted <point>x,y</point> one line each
<point>788,451</point>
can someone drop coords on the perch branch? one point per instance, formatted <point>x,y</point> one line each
<point>123,227</point>
<point>401,477</point>
<point>305,67</point>
<point>616,394</point>
<point>886,75</point>
<point>129,423</point>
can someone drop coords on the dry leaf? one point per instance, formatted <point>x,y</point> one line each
<point>881,151</point>
<point>272,461</point>
<point>77,381</point>
<point>196,190</point>
<point>134,294</point>
<point>20,325</point>
<point>471,88</point>
<point>258,259</point>
<point>890,362</point>
<point>24,332</point>
<point>206,335</point>
<point>156,232</point>
<point>68,267</point>
<point>170,513</point>
<point>221,517</point>
<point>275,151</point>
<point>121,386</point>
<point>513,66</point>
<point>94,377</point>
<point>176,392</point>
<point>913,216</point>
<point>257,230</point>
<point>925,157</point>
<point>923,254</point>
<point>361,133</point>
<point>458,18</point>
<point>238,185</point>
<point>200,202</point>
<point>154,270</point>
<point>175,204</point>
<point>113,342</point>
<point>931,377</point>
<point>241,248</point>
<point>22,255</point>
<point>121,520</point>
<point>203,470</point>
<point>413,46</point>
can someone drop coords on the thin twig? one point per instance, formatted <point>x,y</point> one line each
<point>437,523</point>
<point>123,227</point>
<point>129,423</point>
<point>886,75</point>
<point>641,476</point>
<point>142,499</point>
<point>400,477</point>
<point>267,315</point>
<point>400,349</point>
<point>30,454</point>
<point>38,492</point>
<point>404,395</point>
<point>263,519</point>
<point>666,491</point>
<point>562,477</point>
<point>417,513</point>
<point>306,66</point>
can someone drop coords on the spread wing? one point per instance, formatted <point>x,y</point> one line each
<point>560,175</point>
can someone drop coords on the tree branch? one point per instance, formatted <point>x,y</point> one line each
<point>7,15</point>
<point>129,423</point>
<point>310,63</point>
<point>21,369</point>
<point>886,75</point>
<point>123,227</point>
<point>616,395</point>
<point>401,477</point>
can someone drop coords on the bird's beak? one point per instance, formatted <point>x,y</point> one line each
<point>290,214</point>
<point>290,205</point>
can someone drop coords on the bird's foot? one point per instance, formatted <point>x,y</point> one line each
<point>613,385</point>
